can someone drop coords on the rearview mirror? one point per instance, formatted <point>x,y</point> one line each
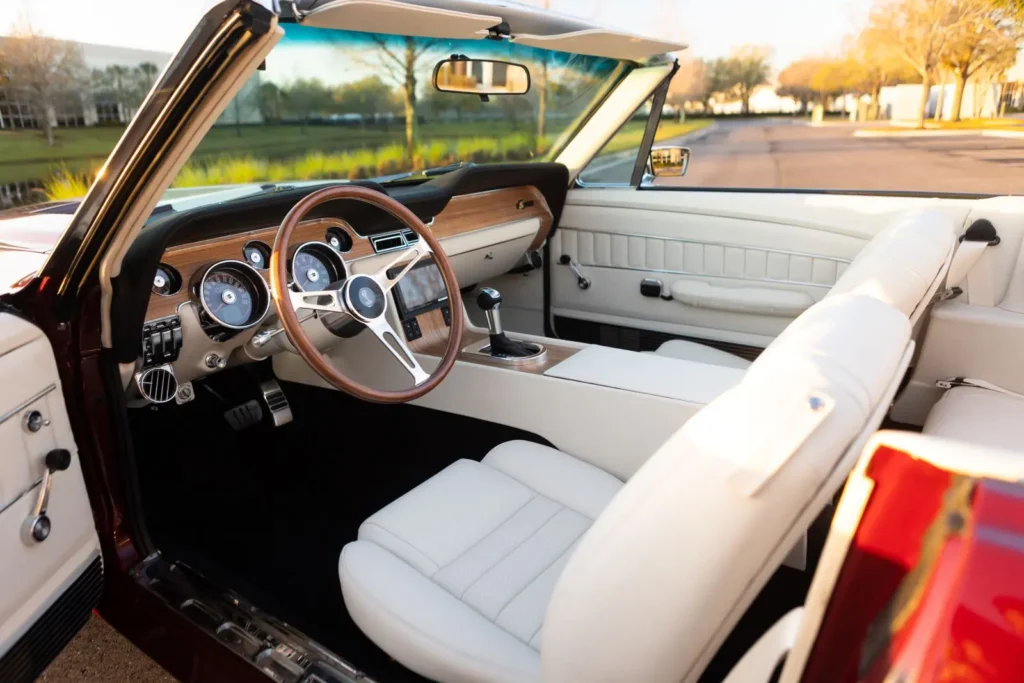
<point>481,77</point>
<point>668,161</point>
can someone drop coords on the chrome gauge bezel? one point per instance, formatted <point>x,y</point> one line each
<point>324,252</point>
<point>261,290</point>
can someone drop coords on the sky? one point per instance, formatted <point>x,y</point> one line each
<point>792,28</point>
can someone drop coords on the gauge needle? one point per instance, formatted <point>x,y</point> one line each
<point>219,307</point>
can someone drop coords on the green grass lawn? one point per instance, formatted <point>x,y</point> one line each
<point>631,134</point>
<point>24,155</point>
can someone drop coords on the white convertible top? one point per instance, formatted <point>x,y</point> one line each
<point>471,19</point>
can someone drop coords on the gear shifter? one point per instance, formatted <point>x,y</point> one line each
<point>489,301</point>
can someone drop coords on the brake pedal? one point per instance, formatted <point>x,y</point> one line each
<point>277,402</point>
<point>246,415</point>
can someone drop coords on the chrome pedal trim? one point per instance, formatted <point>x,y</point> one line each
<point>277,402</point>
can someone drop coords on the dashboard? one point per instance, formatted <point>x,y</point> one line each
<point>208,302</point>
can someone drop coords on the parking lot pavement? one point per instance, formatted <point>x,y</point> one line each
<point>100,654</point>
<point>780,153</point>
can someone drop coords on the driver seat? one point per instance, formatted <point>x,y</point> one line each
<point>535,564</point>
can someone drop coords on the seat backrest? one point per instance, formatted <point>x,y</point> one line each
<point>904,264</point>
<point>667,569</point>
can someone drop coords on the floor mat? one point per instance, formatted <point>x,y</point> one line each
<point>266,511</point>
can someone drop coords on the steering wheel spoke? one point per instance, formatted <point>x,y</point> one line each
<point>393,342</point>
<point>328,300</point>
<point>415,254</point>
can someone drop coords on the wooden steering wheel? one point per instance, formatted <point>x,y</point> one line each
<point>364,298</point>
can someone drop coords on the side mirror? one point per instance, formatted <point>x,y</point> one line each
<point>481,77</point>
<point>668,162</point>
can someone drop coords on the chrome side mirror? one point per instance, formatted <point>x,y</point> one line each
<point>668,161</point>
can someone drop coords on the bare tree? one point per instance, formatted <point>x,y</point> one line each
<point>987,38</point>
<point>41,69</point>
<point>401,58</point>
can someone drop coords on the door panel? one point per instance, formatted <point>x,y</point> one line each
<point>734,267</point>
<point>49,586</point>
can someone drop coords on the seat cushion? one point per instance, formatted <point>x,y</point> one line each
<point>979,416</point>
<point>453,578</point>
<point>687,350</point>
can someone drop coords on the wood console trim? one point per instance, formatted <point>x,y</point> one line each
<point>463,214</point>
<point>436,341</point>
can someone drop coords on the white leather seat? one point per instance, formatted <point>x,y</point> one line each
<point>474,574</point>
<point>453,578</point>
<point>903,265</point>
<point>979,416</point>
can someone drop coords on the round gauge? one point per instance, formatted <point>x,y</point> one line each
<point>166,281</point>
<point>234,295</point>
<point>257,255</point>
<point>339,239</point>
<point>315,267</point>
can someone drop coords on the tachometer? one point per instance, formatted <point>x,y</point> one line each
<point>234,295</point>
<point>315,266</point>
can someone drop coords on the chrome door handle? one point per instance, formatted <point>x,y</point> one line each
<point>36,528</point>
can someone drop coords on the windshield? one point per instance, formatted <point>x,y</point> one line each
<point>336,104</point>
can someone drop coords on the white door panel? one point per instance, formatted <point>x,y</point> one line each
<point>743,265</point>
<point>34,574</point>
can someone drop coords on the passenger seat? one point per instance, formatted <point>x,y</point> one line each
<point>986,417</point>
<point>903,266</point>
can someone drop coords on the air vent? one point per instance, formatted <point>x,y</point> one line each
<point>157,384</point>
<point>390,242</point>
<point>411,237</point>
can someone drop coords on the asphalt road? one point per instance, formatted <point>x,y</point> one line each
<point>100,654</point>
<point>779,153</point>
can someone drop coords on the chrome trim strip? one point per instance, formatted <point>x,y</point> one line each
<point>21,495</point>
<point>25,404</point>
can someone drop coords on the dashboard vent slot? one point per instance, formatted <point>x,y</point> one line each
<point>157,385</point>
<point>410,237</point>
<point>389,242</point>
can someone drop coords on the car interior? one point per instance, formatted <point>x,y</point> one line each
<point>606,424</point>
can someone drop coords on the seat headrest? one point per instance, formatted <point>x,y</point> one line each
<point>661,571</point>
<point>900,263</point>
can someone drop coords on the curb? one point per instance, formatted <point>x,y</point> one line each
<point>866,133</point>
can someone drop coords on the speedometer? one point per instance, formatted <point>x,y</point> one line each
<point>234,295</point>
<point>316,267</point>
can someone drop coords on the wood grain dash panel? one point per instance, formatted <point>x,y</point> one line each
<point>190,259</point>
<point>466,213</point>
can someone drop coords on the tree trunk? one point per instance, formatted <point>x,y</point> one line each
<point>958,95</point>
<point>940,100</point>
<point>926,87</point>
<point>542,106</point>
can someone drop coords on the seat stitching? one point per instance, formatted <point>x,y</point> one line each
<point>487,535</point>
<point>551,498</point>
<point>399,538</point>
<point>513,549</point>
<point>538,575</point>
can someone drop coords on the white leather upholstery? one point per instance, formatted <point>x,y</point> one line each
<point>472,574</point>
<point>453,578</point>
<point>902,265</point>
<point>670,565</point>
<point>904,262</point>
<point>979,416</point>
<point>700,353</point>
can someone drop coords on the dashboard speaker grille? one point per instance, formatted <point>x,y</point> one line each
<point>158,385</point>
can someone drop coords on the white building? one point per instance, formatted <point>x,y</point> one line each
<point>113,84</point>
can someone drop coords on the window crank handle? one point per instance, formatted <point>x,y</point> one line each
<point>581,280</point>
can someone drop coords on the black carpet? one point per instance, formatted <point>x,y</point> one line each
<point>266,511</point>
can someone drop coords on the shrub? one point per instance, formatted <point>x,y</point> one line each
<point>65,184</point>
